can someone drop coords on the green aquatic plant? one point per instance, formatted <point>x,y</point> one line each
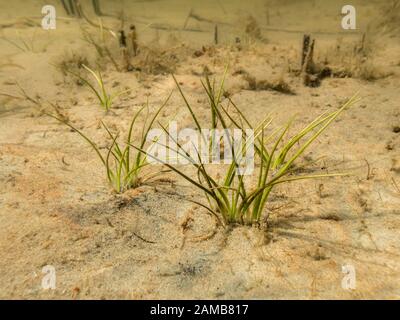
<point>123,165</point>
<point>235,198</point>
<point>100,42</point>
<point>103,96</point>
<point>26,42</point>
<point>21,44</point>
<point>214,99</point>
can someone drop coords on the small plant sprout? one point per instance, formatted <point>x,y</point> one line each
<point>124,165</point>
<point>233,197</point>
<point>105,99</point>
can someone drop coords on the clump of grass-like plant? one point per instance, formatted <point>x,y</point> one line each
<point>105,98</point>
<point>123,165</point>
<point>235,198</point>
